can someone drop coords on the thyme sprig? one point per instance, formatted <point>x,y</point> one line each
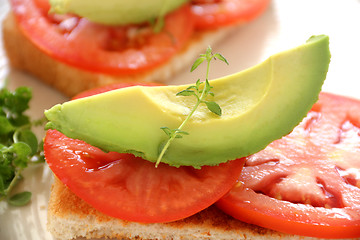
<point>201,90</point>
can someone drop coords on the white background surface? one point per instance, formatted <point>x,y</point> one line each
<point>287,23</point>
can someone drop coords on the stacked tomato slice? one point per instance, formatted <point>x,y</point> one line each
<point>113,50</point>
<point>123,50</point>
<point>307,183</point>
<point>212,14</point>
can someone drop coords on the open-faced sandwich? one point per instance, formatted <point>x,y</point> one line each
<point>78,44</point>
<point>129,162</point>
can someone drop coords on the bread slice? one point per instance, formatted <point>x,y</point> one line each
<point>69,217</point>
<point>24,55</point>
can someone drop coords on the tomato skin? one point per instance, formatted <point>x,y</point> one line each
<point>214,14</point>
<point>325,148</point>
<point>119,50</point>
<point>241,205</point>
<point>130,188</point>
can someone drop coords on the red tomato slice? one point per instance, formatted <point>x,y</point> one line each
<point>307,183</point>
<point>211,14</point>
<point>112,50</point>
<point>130,188</point>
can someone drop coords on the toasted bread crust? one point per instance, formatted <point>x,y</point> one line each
<point>69,217</point>
<point>25,56</point>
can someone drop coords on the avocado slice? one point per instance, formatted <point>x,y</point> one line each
<point>259,105</point>
<point>116,12</point>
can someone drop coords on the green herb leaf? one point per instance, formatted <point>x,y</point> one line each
<point>20,149</point>
<point>214,108</point>
<point>18,101</point>
<point>207,86</point>
<point>197,63</point>
<point>2,186</point>
<point>20,199</point>
<point>198,83</point>
<point>186,93</point>
<point>22,152</point>
<point>20,120</point>
<point>5,126</point>
<point>178,133</point>
<point>221,57</point>
<point>28,137</point>
<point>208,52</point>
<point>167,131</point>
<point>6,170</point>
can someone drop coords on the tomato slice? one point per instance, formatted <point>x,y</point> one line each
<point>105,49</point>
<point>130,188</point>
<point>307,183</point>
<point>212,14</point>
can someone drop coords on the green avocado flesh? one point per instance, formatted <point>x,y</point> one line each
<point>116,12</point>
<point>259,105</point>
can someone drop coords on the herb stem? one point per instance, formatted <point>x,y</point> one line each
<point>199,100</point>
<point>13,182</point>
<point>207,70</point>
<point>166,146</point>
<point>16,135</point>
<point>200,94</point>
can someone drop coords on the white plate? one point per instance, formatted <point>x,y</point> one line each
<point>286,24</point>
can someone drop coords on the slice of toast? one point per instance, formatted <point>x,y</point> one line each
<point>69,217</point>
<point>25,56</point>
